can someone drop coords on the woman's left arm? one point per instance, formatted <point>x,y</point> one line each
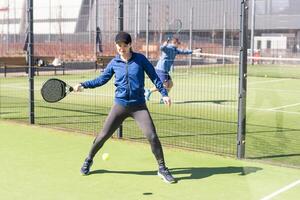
<point>184,51</point>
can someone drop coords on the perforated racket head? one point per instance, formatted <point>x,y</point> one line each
<point>174,27</point>
<point>53,90</point>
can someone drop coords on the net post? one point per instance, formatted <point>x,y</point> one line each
<point>120,132</point>
<point>147,28</point>
<point>5,70</point>
<point>63,68</point>
<point>30,50</point>
<point>120,15</point>
<point>120,28</point>
<point>224,37</point>
<point>253,7</point>
<point>191,35</point>
<point>241,132</point>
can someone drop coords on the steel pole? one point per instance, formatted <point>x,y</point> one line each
<point>224,37</point>
<point>241,132</point>
<point>252,29</point>
<point>191,35</point>
<point>147,29</point>
<point>30,59</point>
<point>120,28</point>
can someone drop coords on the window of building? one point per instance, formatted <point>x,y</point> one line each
<point>268,44</point>
<point>280,6</point>
<point>258,44</point>
<point>260,7</point>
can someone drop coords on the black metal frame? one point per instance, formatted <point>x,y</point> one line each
<point>120,28</point>
<point>241,132</point>
<point>30,54</point>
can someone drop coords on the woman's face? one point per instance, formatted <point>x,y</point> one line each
<point>123,48</point>
<point>175,43</point>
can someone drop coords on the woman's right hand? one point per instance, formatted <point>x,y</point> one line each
<point>167,100</point>
<point>78,88</point>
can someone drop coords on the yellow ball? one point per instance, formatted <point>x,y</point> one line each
<point>105,156</point>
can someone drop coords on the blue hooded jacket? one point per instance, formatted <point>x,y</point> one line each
<point>168,55</point>
<point>129,79</point>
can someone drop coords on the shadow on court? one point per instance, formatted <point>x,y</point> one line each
<point>275,156</point>
<point>204,172</point>
<point>206,101</point>
<point>188,173</point>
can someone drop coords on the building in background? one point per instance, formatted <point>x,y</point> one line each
<point>76,20</point>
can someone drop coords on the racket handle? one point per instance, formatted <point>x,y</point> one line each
<point>71,89</point>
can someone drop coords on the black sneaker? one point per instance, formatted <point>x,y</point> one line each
<point>85,169</point>
<point>166,175</point>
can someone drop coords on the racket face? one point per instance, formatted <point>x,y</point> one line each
<point>53,90</point>
<point>174,27</point>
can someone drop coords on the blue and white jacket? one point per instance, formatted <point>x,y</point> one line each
<point>129,79</point>
<point>168,55</point>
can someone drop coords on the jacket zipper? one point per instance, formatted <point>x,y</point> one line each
<point>127,76</point>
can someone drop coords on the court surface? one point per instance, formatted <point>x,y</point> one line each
<point>39,163</point>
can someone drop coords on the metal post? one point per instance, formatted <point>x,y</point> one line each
<point>252,29</point>
<point>30,59</point>
<point>136,7</point>
<point>60,28</point>
<point>8,22</point>
<point>90,21</point>
<point>224,37</point>
<point>241,132</point>
<point>49,35</point>
<point>120,28</point>
<point>191,35</point>
<point>15,23</point>
<point>96,25</point>
<point>147,29</point>
<point>5,70</point>
<point>121,15</point>
<point>138,17</point>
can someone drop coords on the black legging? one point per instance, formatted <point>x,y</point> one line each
<point>141,115</point>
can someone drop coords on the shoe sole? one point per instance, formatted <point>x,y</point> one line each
<point>83,174</point>
<point>165,180</point>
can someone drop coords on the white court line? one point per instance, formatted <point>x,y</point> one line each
<point>14,87</point>
<point>281,190</point>
<point>94,94</point>
<point>286,106</point>
<point>79,93</point>
<point>203,103</point>
<point>258,82</point>
<point>268,81</point>
<point>249,57</point>
<point>275,90</point>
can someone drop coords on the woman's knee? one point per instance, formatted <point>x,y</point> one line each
<point>152,138</point>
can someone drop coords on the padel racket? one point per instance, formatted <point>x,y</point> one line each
<point>174,28</point>
<point>54,90</point>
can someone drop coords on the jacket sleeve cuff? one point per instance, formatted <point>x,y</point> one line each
<point>164,93</point>
<point>83,85</point>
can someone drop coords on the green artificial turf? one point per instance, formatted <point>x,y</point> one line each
<point>40,164</point>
